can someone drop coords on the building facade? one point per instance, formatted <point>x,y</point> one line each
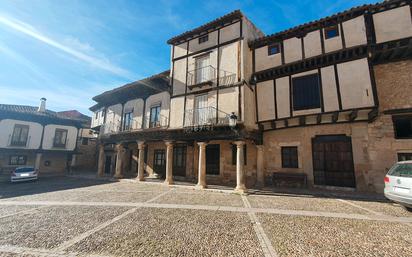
<point>37,137</point>
<point>328,100</point>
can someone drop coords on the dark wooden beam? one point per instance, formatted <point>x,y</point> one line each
<point>302,120</point>
<point>373,114</point>
<point>335,117</point>
<point>353,115</point>
<point>319,118</point>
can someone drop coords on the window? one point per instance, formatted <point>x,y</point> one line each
<point>159,158</point>
<point>127,121</point>
<point>154,117</point>
<point>60,138</point>
<point>404,157</point>
<point>85,141</point>
<point>203,39</point>
<point>203,71</point>
<point>331,32</point>
<point>103,112</point>
<point>96,115</point>
<point>306,93</point>
<point>179,157</point>
<point>234,154</point>
<point>17,160</point>
<point>273,49</point>
<point>403,126</point>
<point>20,135</point>
<point>290,157</point>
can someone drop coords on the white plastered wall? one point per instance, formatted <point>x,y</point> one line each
<point>6,132</point>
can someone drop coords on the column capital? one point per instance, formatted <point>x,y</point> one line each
<point>169,143</point>
<point>239,143</point>
<point>202,144</point>
<point>260,147</point>
<point>141,145</point>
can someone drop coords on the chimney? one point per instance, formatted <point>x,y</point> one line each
<point>42,106</point>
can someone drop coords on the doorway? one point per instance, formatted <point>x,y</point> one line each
<point>107,165</point>
<point>159,162</point>
<point>333,161</point>
<point>179,160</point>
<point>213,159</point>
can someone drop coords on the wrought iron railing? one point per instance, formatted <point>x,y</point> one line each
<point>18,142</point>
<point>57,144</point>
<point>134,125</point>
<point>207,116</point>
<point>208,74</point>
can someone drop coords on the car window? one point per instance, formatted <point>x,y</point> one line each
<point>401,170</point>
<point>21,170</point>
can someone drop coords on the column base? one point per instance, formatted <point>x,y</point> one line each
<point>240,190</point>
<point>168,182</point>
<point>140,179</point>
<point>118,176</point>
<point>259,185</point>
<point>199,186</point>
<point>154,175</point>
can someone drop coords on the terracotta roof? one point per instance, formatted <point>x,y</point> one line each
<point>32,110</point>
<point>237,14</point>
<point>329,20</point>
<point>138,89</point>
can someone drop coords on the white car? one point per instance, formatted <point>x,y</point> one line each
<point>24,174</point>
<point>398,184</point>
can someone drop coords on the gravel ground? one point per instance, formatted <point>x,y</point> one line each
<point>14,209</point>
<point>63,195</point>
<point>318,236</point>
<point>48,227</point>
<point>389,208</point>
<point>164,232</point>
<point>196,197</point>
<point>105,196</point>
<point>302,203</point>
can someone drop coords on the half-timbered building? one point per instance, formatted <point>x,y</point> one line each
<point>328,101</point>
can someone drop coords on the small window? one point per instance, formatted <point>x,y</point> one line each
<point>290,157</point>
<point>402,126</point>
<point>273,49</point>
<point>234,154</point>
<point>85,141</point>
<point>404,157</point>
<point>20,135</point>
<point>127,120</point>
<point>17,160</point>
<point>60,138</point>
<point>103,112</point>
<point>154,117</point>
<point>331,32</point>
<point>96,115</point>
<point>203,39</point>
<point>306,92</point>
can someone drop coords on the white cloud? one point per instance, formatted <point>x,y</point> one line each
<point>29,30</point>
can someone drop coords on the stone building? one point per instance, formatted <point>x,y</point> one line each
<point>38,137</point>
<point>328,101</point>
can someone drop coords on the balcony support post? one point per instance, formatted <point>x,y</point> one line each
<point>169,163</point>
<point>201,184</point>
<point>240,168</point>
<point>141,164</point>
<point>100,165</point>
<point>121,152</point>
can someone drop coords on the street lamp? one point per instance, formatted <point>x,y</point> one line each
<point>232,120</point>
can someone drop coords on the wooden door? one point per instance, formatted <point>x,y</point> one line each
<point>333,161</point>
<point>213,159</point>
<point>179,160</point>
<point>159,162</point>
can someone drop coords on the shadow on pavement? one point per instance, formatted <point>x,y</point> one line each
<point>46,185</point>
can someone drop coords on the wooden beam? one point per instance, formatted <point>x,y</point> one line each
<point>353,115</point>
<point>319,118</point>
<point>302,121</point>
<point>335,117</point>
<point>373,114</point>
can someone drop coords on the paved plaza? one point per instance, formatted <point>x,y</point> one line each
<point>83,217</point>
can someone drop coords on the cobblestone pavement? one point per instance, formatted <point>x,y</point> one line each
<point>83,217</point>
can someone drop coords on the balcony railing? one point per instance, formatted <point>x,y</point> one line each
<point>60,145</point>
<point>18,143</point>
<point>134,125</point>
<point>208,116</point>
<point>208,76</point>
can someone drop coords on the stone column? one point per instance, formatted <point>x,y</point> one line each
<point>202,166</point>
<point>119,160</point>
<point>240,168</point>
<point>260,176</point>
<point>37,161</point>
<point>140,168</point>
<point>169,163</point>
<point>101,161</point>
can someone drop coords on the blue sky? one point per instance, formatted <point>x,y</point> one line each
<point>70,50</point>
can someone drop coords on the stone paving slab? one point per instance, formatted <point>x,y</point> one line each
<point>386,208</point>
<point>198,197</point>
<point>320,236</point>
<point>167,232</point>
<point>302,203</point>
<point>51,226</point>
<point>105,196</point>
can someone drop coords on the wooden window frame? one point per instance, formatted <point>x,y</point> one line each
<point>156,123</point>
<point>329,28</point>
<point>294,94</point>
<point>203,39</point>
<point>60,144</point>
<point>130,119</point>
<point>395,119</point>
<point>19,142</point>
<point>292,164</point>
<point>18,159</point>
<point>277,46</point>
